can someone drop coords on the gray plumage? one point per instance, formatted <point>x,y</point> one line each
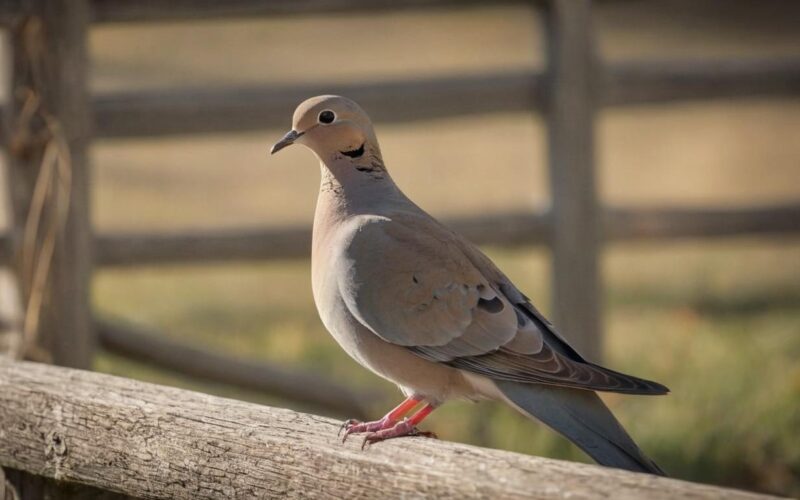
<point>584,419</point>
<point>419,305</point>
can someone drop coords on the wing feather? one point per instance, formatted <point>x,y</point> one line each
<point>415,283</point>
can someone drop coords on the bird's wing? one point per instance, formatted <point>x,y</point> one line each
<point>414,289</point>
<point>417,284</point>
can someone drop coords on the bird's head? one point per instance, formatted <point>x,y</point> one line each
<point>333,127</point>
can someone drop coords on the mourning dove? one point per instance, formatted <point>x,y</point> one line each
<point>419,305</point>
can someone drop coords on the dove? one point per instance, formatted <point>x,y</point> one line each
<point>420,306</point>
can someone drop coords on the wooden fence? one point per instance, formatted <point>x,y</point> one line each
<point>51,120</point>
<point>98,436</point>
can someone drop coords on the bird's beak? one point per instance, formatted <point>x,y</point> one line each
<point>286,140</point>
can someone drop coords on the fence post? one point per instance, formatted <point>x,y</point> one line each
<point>48,132</point>
<point>570,104</point>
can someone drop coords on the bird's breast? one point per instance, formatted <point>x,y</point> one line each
<point>329,267</point>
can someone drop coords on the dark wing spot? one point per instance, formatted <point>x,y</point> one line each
<point>493,306</point>
<point>416,281</point>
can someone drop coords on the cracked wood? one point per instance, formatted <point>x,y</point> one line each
<point>151,441</point>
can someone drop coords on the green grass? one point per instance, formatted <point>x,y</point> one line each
<point>719,323</point>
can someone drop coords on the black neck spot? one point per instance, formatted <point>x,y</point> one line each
<point>355,153</point>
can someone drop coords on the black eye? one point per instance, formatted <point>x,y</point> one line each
<point>326,117</point>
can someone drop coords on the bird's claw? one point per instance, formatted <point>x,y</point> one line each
<point>353,426</point>
<point>400,429</point>
<point>347,424</point>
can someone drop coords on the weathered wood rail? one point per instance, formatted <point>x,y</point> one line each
<point>50,62</point>
<point>150,441</point>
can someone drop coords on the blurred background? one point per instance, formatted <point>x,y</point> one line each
<point>717,320</point>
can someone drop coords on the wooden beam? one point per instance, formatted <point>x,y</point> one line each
<point>49,125</point>
<point>125,249</point>
<point>159,442</point>
<point>663,82</point>
<point>302,387</point>
<point>150,113</point>
<point>512,229</point>
<point>508,230</point>
<point>183,111</point>
<point>110,11</point>
<point>570,107</point>
<point>661,224</point>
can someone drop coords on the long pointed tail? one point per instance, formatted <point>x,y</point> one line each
<point>583,418</point>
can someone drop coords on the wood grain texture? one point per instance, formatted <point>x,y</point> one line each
<point>152,441</point>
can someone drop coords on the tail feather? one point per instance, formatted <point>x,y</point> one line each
<point>583,418</point>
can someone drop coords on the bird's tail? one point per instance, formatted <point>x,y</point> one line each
<point>583,418</point>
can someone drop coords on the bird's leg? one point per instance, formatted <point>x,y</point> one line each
<point>353,426</point>
<point>406,427</point>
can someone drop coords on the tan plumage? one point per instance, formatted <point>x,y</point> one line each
<point>421,306</point>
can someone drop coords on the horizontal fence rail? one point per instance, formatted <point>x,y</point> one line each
<point>510,229</point>
<point>116,11</point>
<point>149,113</point>
<point>513,229</point>
<point>664,81</point>
<point>678,223</point>
<point>185,10</point>
<point>156,442</point>
<point>291,384</point>
<point>186,111</point>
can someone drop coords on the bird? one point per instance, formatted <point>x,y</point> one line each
<point>419,305</point>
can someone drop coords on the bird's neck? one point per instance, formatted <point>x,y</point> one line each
<point>351,187</point>
<point>357,185</point>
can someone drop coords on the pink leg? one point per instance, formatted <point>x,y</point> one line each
<point>390,419</point>
<point>406,427</point>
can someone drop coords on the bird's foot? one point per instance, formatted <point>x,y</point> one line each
<point>391,425</point>
<point>354,426</point>
<point>399,429</point>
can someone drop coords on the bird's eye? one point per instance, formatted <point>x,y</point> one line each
<point>326,117</point>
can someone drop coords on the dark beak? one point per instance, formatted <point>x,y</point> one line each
<point>287,140</point>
